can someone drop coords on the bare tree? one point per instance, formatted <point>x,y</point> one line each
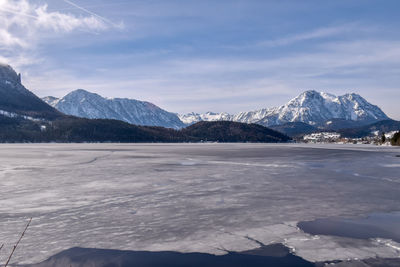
<point>16,244</point>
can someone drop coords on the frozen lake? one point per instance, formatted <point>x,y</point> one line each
<point>192,197</point>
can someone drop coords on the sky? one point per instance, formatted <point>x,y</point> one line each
<point>206,55</point>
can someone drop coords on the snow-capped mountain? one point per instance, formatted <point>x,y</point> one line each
<point>51,100</point>
<point>192,117</point>
<point>310,107</point>
<point>316,108</point>
<point>85,104</point>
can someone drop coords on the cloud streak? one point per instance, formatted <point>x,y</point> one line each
<point>318,33</point>
<point>119,26</point>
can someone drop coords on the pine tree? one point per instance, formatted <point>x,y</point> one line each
<point>383,138</point>
<point>395,141</point>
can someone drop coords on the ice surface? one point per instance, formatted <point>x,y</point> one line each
<point>191,197</point>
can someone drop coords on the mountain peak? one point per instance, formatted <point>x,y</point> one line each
<point>15,98</point>
<point>81,92</point>
<point>354,96</point>
<point>310,92</point>
<point>313,94</point>
<point>8,74</point>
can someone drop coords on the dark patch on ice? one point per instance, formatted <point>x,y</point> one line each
<point>274,250</point>
<point>378,225</point>
<point>398,156</point>
<point>276,255</point>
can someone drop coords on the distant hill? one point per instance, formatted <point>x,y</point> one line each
<point>338,124</point>
<point>367,130</point>
<point>348,128</point>
<point>15,99</point>
<point>73,129</point>
<point>295,129</point>
<point>228,131</point>
<point>89,105</point>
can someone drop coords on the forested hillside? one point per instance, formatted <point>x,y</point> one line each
<point>72,129</point>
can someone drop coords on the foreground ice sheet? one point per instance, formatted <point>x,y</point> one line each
<point>192,197</point>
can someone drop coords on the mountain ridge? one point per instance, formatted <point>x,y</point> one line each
<point>84,104</point>
<point>311,107</point>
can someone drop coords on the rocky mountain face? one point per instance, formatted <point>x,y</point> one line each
<point>16,100</point>
<point>85,104</point>
<point>311,107</point>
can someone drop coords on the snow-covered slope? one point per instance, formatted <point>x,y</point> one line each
<point>315,108</point>
<point>85,104</point>
<point>192,117</point>
<point>310,107</point>
<point>51,100</point>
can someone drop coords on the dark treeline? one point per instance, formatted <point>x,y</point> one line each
<point>382,126</point>
<point>72,129</point>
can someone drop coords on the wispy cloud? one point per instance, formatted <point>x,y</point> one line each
<point>24,25</point>
<point>318,33</point>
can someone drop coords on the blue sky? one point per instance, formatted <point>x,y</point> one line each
<point>186,55</point>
